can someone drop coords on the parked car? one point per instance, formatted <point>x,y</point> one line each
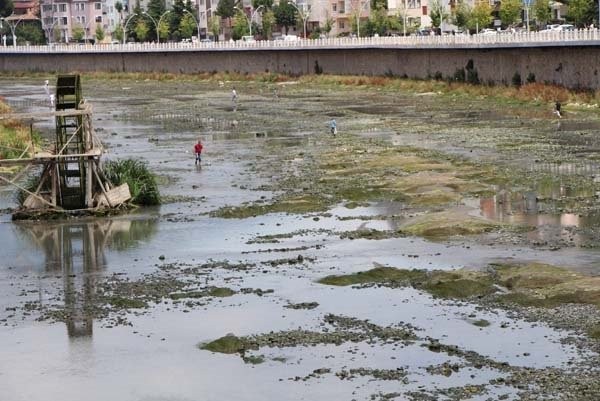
<point>488,31</point>
<point>290,38</point>
<point>248,39</point>
<point>566,27</point>
<point>206,40</point>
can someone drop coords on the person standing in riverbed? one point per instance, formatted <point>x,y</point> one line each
<point>198,151</point>
<point>234,97</point>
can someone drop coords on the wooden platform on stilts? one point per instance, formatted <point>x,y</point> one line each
<point>71,175</point>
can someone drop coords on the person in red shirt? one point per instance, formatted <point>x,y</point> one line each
<point>198,151</point>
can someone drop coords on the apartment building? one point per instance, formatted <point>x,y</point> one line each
<point>59,17</point>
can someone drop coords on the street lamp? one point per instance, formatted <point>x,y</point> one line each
<point>252,14</point>
<point>404,24</point>
<point>527,5</point>
<point>13,28</point>
<point>125,26</point>
<point>157,25</point>
<point>197,21</point>
<point>360,9</point>
<point>304,16</point>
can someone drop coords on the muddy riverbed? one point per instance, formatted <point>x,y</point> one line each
<point>440,247</point>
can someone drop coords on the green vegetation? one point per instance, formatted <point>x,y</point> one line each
<point>481,323</point>
<point>532,284</point>
<point>377,275</point>
<point>15,138</point>
<point>141,181</point>
<point>439,225</point>
<point>127,303</point>
<point>229,344</point>
<point>220,292</point>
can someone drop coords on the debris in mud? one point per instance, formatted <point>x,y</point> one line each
<point>343,329</point>
<point>303,305</point>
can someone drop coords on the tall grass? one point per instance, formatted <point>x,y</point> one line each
<point>141,181</point>
<point>14,137</point>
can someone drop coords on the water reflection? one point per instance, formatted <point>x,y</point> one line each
<point>76,250</point>
<point>526,208</point>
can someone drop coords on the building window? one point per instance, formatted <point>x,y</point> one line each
<point>414,3</point>
<point>424,8</point>
<point>341,8</point>
<point>63,20</point>
<point>341,24</point>
<point>62,8</point>
<point>83,20</point>
<point>98,6</point>
<point>99,18</point>
<point>47,8</point>
<point>334,7</point>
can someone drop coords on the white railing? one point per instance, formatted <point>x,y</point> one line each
<point>519,39</point>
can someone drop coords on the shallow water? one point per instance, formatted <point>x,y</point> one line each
<point>156,357</point>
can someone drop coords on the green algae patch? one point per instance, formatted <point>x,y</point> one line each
<point>481,323</point>
<point>377,275</point>
<point>461,288</point>
<point>533,276</point>
<point>371,234</point>
<point>220,292</point>
<point>229,344</point>
<point>546,286</point>
<point>292,205</point>
<point>460,284</point>
<point>594,332</point>
<point>127,303</point>
<point>253,359</point>
<point>440,225</point>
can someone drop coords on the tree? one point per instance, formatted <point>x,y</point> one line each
<point>187,26</point>
<point>156,8</point>
<point>328,25</point>
<point>141,30</point>
<point>6,8</point>
<point>31,32</point>
<point>118,33</point>
<point>481,17</point>
<point>214,26</point>
<point>463,13</point>
<point>78,33</point>
<point>542,12</point>
<point>581,12</point>
<point>163,29</point>
<point>100,34</point>
<point>119,7</point>
<point>285,15</point>
<point>438,14</point>
<point>239,25</point>
<point>378,22</point>
<point>225,8</point>
<point>176,16</point>
<point>510,11</point>
<point>268,21</point>
<point>267,4</point>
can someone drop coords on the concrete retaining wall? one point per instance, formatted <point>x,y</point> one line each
<point>573,66</point>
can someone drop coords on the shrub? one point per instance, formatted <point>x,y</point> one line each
<point>516,79</point>
<point>530,78</point>
<point>472,76</point>
<point>141,181</point>
<point>459,75</point>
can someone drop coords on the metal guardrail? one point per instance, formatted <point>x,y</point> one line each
<point>589,37</point>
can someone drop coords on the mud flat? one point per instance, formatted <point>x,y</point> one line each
<point>440,247</point>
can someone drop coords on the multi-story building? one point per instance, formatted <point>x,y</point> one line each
<point>59,17</point>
